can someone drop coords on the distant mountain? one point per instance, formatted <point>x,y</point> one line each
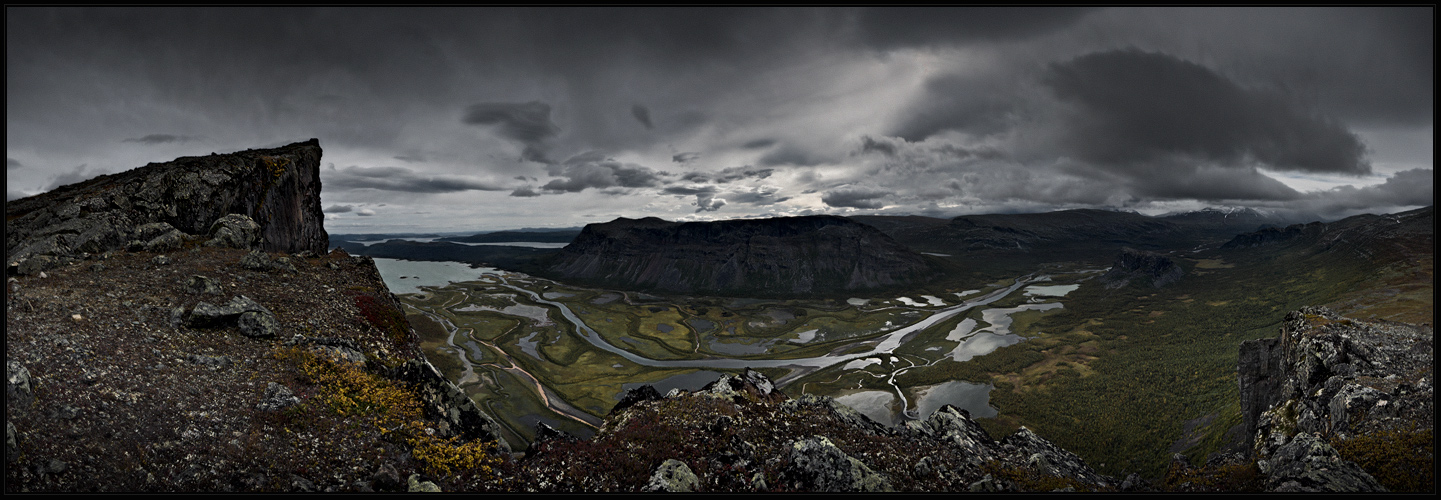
<point>792,256</point>
<point>555,236</point>
<point>1082,234</point>
<point>508,257</point>
<point>1400,234</point>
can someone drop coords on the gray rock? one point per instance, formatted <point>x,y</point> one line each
<point>259,324</point>
<point>415,485</point>
<point>256,260</point>
<point>277,397</point>
<point>160,260</point>
<point>301,484</point>
<point>234,231</point>
<point>203,285</point>
<point>1050,459</point>
<point>38,264</point>
<point>12,448</point>
<point>171,240</point>
<point>206,315</point>
<point>816,464</point>
<point>18,392</point>
<point>386,478</point>
<point>672,476</point>
<point>1307,464</point>
<point>148,232</point>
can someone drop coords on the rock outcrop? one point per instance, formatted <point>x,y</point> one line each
<point>161,205</point>
<point>1133,265</point>
<point>774,257</point>
<point>1329,379</point>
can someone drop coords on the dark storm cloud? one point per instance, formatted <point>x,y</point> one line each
<point>728,174</point>
<point>405,180</point>
<point>528,123</point>
<point>759,144</point>
<point>707,202</point>
<point>974,104</point>
<point>524,192</point>
<point>685,157</point>
<point>153,139</point>
<point>791,154</point>
<point>410,158</point>
<point>11,163</point>
<point>855,197</point>
<point>593,170</point>
<point>1213,184</point>
<point>758,196</point>
<point>1132,107</point>
<point>1405,189</point>
<point>338,209</point>
<point>872,145</point>
<point>687,191</point>
<point>894,27</point>
<point>641,115</point>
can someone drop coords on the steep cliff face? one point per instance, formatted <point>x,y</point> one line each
<point>279,189</point>
<point>1151,267</point>
<point>1330,379</point>
<point>781,256</point>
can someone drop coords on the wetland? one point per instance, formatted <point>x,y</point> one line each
<point>531,350</point>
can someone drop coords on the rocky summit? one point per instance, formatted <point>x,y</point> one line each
<point>788,256</point>
<point>263,198</point>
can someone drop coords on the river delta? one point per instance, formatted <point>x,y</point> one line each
<point>530,350</point>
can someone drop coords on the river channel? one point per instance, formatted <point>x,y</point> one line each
<point>871,402</point>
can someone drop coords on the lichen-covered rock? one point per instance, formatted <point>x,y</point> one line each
<point>234,231</point>
<point>816,464</point>
<point>259,324</point>
<point>202,285</point>
<point>18,392</point>
<point>1307,464</point>
<point>207,315</point>
<point>954,426</point>
<point>445,401</point>
<point>1047,458</point>
<point>256,261</point>
<point>277,397</point>
<point>1327,375</point>
<point>672,476</point>
<point>415,485</point>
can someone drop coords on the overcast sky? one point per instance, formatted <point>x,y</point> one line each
<point>437,119</point>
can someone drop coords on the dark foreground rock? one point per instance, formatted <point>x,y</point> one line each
<point>1330,379</point>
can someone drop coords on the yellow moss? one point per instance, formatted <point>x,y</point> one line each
<point>347,390</point>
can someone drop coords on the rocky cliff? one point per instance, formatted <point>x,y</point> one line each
<point>157,206</point>
<point>161,348</point>
<point>1330,382</point>
<point>1150,267</point>
<point>772,257</point>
